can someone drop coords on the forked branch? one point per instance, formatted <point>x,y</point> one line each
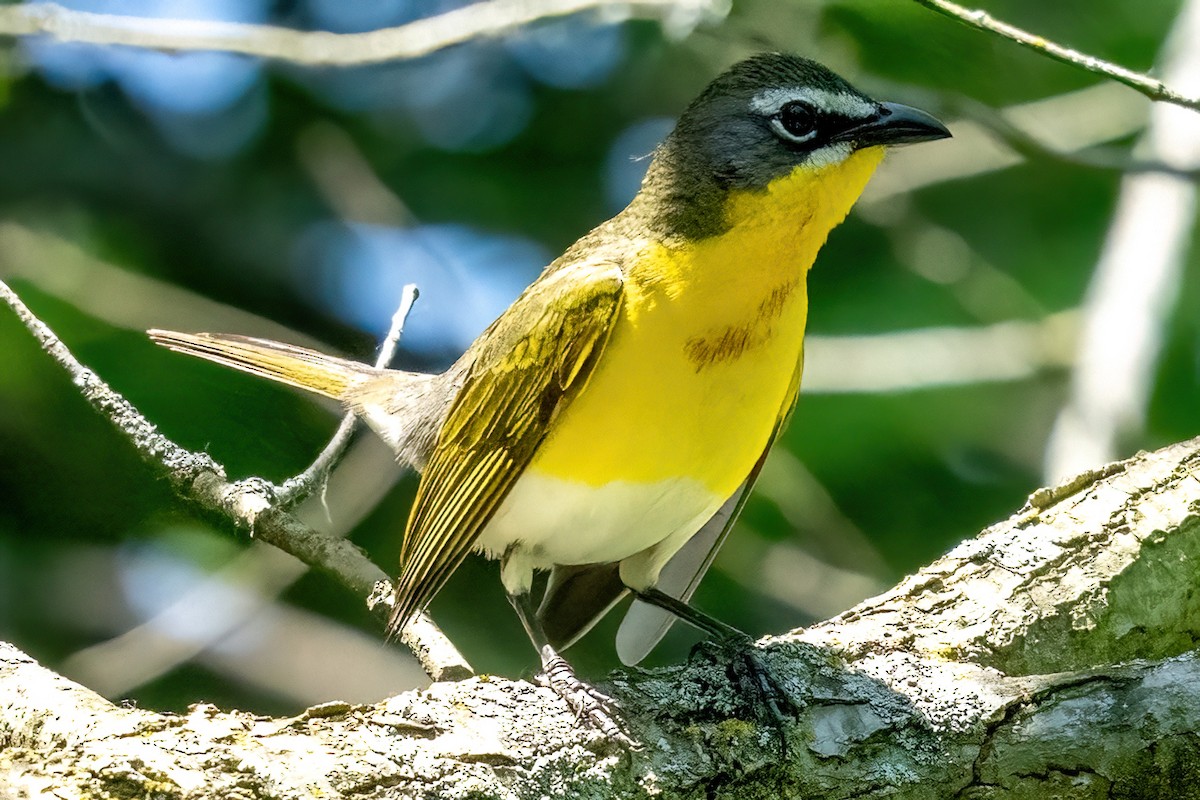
<point>251,503</point>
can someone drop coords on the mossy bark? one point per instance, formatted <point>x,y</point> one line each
<point>1050,656</point>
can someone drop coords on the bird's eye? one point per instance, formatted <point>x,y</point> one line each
<point>795,122</point>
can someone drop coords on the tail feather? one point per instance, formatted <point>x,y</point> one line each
<point>285,363</point>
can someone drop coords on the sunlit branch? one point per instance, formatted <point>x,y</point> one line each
<point>121,297</point>
<point>932,357</point>
<point>346,180</point>
<point>981,20</point>
<point>156,653</point>
<point>247,503</point>
<point>324,48</point>
<point>969,673</point>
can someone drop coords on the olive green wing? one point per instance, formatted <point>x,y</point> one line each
<point>531,362</point>
<point>645,625</point>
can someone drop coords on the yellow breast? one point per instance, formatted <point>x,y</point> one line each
<point>708,342</point>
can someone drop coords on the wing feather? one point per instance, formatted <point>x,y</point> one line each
<point>527,366</point>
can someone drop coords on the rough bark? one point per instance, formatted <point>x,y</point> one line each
<point>1050,656</point>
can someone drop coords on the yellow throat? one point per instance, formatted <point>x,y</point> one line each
<point>704,358</point>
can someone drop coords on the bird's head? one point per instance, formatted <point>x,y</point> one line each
<point>771,117</point>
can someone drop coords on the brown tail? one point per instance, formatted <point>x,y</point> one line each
<point>295,366</point>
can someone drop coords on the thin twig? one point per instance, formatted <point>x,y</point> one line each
<point>981,20</point>
<point>197,477</point>
<point>293,490</point>
<point>323,48</point>
<point>183,467</point>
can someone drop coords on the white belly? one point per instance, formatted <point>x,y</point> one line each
<point>546,521</point>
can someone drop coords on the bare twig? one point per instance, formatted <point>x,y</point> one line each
<point>118,296</point>
<point>198,478</point>
<point>301,486</point>
<point>981,20</point>
<point>117,665</point>
<point>323,48</point>
<point>183,467</point>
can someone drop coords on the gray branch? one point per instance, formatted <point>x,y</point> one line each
<point>981,20</point>
<point>478,20</point>
<point>251,503</point>
<point>1050,656</point>
<point>323,48</point>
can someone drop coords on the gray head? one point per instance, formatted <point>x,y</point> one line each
<point>761,120</point>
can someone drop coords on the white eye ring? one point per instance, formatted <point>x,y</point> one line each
<point>783,133</point>
<point>795,122</point>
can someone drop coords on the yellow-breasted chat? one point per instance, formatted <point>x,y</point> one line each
<point>609,424</point>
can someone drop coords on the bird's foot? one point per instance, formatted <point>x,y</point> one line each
<point>586,701</point>
<point>753,679</point>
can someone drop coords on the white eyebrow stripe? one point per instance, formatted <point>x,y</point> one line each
<point>769,101</point>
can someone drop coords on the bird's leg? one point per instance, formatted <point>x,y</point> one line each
<point>693,616</point>
<point>587,702</point>
<point>753,677</point>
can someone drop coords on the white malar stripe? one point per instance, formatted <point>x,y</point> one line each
<point>828,156</point>
<point>769,101</point>
<point>546,521</point>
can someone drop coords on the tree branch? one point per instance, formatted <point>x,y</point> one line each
<point>989,674</point>
<point>983,21</point>
<point>250,503</point>
<point>478,20</point>
<point>323,48</point>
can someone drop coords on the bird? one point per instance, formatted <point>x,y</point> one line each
<point>608,426</point>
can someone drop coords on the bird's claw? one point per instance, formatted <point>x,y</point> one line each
<point>752,678</point>
<point>587,702</point>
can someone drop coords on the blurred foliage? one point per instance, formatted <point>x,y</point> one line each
<point>511,142</point>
